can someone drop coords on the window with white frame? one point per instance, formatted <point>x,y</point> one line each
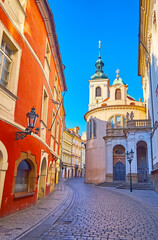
<point>55,87</point>
<point>23,3</point>
<point>53,131</point>
<point>5,63</point>
<point>10,56</point>
<point>55,93</point>
<point>57,132</point>
<point>44,106</point>
<point>56,147</point>
<point>47,59</point>
<point>53,126</point>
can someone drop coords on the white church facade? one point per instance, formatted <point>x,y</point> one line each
<point>116,123</point>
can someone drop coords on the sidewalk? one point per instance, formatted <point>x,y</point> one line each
<point>52,206</point>
<point>148,198</point>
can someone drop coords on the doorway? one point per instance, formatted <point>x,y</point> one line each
<point>142,163</point>
<point>119,163</point>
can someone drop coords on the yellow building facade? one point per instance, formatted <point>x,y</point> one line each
<point>76,152</point>
<point>67,154</point>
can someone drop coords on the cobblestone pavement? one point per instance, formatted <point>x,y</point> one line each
<point>48,209</point>
<point>98,213</point>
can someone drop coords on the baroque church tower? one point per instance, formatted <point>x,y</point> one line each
<point>116,123</point>
<point>98,85</point>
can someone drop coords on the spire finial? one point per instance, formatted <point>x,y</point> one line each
<point>99,48</point>
<point>117,71</point>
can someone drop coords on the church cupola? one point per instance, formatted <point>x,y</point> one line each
<point>99,67</point>
<point>98,85</point>
<point>118,80</point>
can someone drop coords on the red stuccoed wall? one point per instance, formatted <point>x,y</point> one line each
<point>30,92</point>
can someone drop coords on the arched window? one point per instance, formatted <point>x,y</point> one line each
<point>22,177</point>
<point>118,94</point>
<point>98,92</point>
<point>92,128</point>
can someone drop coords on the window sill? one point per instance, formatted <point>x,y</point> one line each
<point>8,92</point>
<point>22,195</point>
<point>98,97</point>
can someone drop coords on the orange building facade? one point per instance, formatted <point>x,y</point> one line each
<point>31,74</point>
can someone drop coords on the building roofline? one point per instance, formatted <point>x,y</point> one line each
<point>48,19</point>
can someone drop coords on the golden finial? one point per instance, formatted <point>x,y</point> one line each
<point>117,71</point>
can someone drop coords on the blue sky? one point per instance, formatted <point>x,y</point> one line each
<point>79,26</point>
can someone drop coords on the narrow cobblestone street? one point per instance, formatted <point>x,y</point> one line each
<point>100,213</point>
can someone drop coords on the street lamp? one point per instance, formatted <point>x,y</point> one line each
<point>31,122</point>
<point>130,158</point>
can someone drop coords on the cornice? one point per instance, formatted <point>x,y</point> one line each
<point>21,128</point>
<point>112,107</point>
<point>48,18</point>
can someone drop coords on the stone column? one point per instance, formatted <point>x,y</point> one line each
<point>109,161</point>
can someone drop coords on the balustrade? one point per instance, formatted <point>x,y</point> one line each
<point>120,131</point>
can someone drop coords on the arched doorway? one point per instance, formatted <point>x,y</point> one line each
<point>119,163</point>
<point>142,161</point>
<point>42,179</point>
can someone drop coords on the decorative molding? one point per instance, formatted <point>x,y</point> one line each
<point>8,92</point>
<point>113,107</point>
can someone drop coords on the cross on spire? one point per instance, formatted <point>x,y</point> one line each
<point>117,71</point>
<point>99,48</point>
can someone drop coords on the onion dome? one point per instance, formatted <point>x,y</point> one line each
<point>99,67</point>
